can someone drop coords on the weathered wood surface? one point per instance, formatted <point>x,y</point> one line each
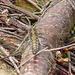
<point>52,27</point>
<point>56,23</point>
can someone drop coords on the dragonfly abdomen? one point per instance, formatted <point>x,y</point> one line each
<point>34,40</point>
<point>35,46</point>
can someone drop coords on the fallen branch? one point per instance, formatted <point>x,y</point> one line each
<point>72,3</point>
<point>62,48</point>
<point>33,3</point>
<point>10,58</point>
<point>6,3</point>
<point>14,35</point>
<point>52,23</point>
<point>13,21</point>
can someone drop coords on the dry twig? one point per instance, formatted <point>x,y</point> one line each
<point>33,3</point>
<point>10,58</point>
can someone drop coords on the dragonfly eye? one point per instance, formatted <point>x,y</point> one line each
<point>34,52</point>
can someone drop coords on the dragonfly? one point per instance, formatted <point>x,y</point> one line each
<point>33,36</point>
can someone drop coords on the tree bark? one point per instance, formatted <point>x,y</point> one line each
<point>52,29</point>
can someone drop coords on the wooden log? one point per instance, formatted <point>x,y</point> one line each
<point>56,20</point>
<point>56,24</point>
